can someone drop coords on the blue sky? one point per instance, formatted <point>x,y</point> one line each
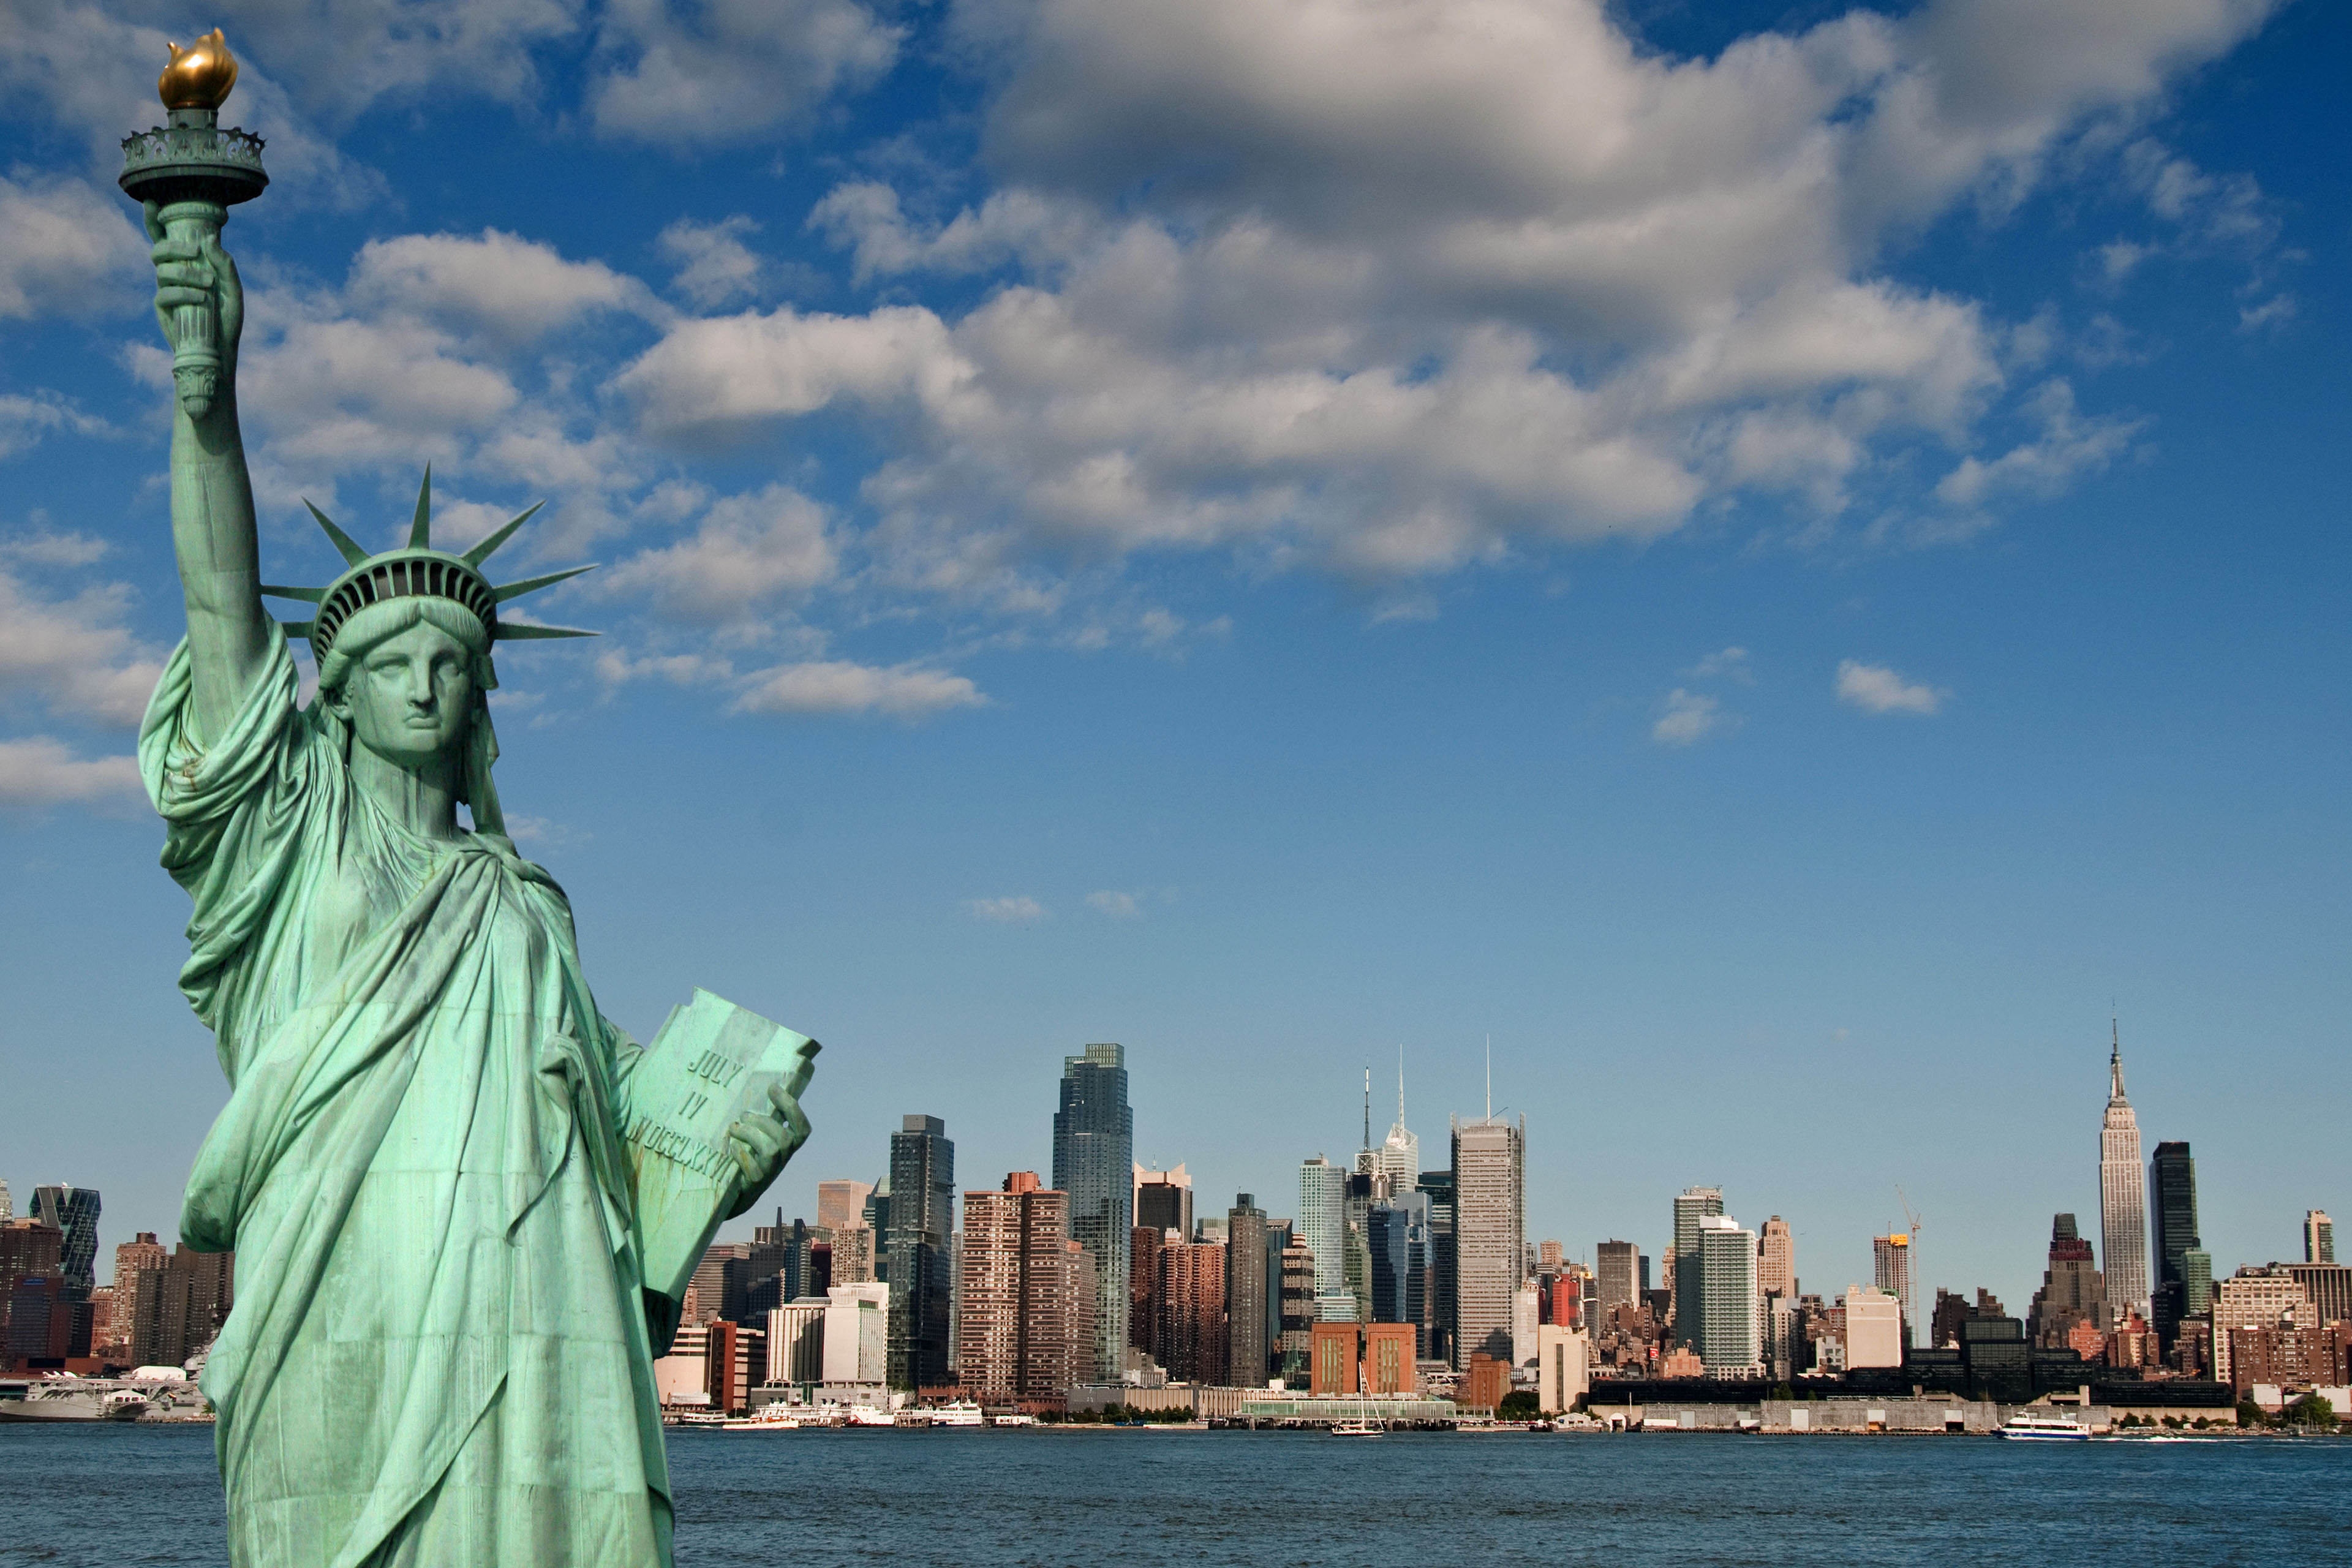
<point>1775,561</point>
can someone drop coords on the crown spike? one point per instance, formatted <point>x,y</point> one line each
<point>420,532</point>
<point>533,585</point>
<point>481,552</point>
<point>526,631</point>
<point>352,554</point>
<point>308,595</point>
<point>296,628</point>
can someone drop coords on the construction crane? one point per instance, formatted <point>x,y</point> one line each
<point>1912,1219</point>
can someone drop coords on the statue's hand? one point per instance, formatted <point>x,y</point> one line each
<point>761,1145</point>
<point>197,273</point>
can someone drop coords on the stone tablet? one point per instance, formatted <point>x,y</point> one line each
<point>711,1065</point>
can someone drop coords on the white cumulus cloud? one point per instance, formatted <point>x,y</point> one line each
<point>67,248</point>
<point>1875,688</point>
<point>1115,905</point>
<point>37,772</point>
<point>748,550</point>
<point>1689,717</point>
<point>727,70</point>
<point>841,686</point>
<point>73,652</point>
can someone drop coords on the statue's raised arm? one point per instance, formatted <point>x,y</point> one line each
<point>200,304</point>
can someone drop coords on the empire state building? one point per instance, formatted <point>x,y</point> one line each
<point>2122,1197</point>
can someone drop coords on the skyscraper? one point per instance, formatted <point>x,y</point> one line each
<point>178,1305</point>
<point>1444,1265</point>
<point>1093,1161</point>
<point>1490,1231</point>
<point>74,1212</point>
<point>1775,1259</point>
<point>1193,1336</point>
<point>1026,1290</point>
<point>1397,1232</point>
<point>842,1204</point>
<point>1245,1292</point>
<point>1891,1254</point>
<point>1692,1205</point>
<point>1163,1199</point>
<point>2071,1292</point>
<point>2319,1235</point>
<point>7,1204</point>
<point>1058,1300</point>
<point>1296,1304</point>
<point>1322,1220</point>
<point>1615,1265</point>
<point>988,1303</point>
<point>1731,1343</point>
<point>137,1267</point>
<point>914,1248</point>
<point>2173,1176</point>
<point>2123,1197</point>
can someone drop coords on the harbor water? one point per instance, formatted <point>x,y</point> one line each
<point>108,1495</point>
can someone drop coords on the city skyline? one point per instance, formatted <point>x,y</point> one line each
<point>1024,1278</point>
<point>1655,1244</point>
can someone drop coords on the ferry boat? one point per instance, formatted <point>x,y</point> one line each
<point>958,1413</point>
<point>872,1416</point>
<point>1018,1419</point>
<point>2044,1426</point>
<point>698,1418</point>
<point>69,1399</point>
<point>776,1417</point>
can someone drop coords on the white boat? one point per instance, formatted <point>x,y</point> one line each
<point>69,1399</point>
<point>872,1416</point>
<point>1019,1418</point>
<point>698,1418</point>
<point>1354,1429</point>
<point>958,1413</point>
<point>2044,1426</point>
<point>776,1417</point>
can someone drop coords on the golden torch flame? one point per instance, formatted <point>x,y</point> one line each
<point>199,75</point>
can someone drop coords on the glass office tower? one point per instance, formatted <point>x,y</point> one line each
<point>1093,1161</point>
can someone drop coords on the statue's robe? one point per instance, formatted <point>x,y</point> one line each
<point>438,1352</point>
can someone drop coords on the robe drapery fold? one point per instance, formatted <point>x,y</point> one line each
<point>438,1352</point>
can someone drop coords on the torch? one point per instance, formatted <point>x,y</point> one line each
<point>195,171</point>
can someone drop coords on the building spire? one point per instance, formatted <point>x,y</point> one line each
<point>2116,1064</point>
<point>1367,1107</point>
<point>1490,1078</point>
<point>1400,1083</point>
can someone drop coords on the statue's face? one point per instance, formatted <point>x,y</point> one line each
<point>410,695</point>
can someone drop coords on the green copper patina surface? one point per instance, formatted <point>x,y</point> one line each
<point>458,1194</point>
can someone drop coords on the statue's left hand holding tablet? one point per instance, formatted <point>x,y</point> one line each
<point>761,1143</point>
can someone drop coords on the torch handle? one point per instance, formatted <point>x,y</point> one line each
<point>196,328</point>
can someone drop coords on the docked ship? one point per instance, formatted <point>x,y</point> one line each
<point>2044,1426</point>
<point>958,1413</point>
<point>69,1399</point>
<point>776,1417</point>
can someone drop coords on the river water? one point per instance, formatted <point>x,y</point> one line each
<point>112,1494</point>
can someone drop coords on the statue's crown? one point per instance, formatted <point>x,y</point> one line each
<point>417,569</point>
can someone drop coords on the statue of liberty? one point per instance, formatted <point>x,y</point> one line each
<point>460,1197</point>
